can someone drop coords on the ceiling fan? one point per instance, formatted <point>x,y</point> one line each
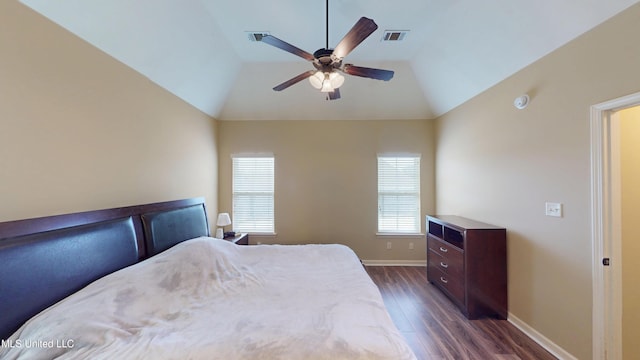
<point>328,62</point>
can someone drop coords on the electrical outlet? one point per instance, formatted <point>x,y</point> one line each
<point>388,245</point>
<point>553,209</point>
<point>410,246</point>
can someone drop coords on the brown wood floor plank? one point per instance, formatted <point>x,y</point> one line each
<point>436,329</point>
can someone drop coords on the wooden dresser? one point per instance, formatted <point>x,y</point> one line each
<point>467,260</point>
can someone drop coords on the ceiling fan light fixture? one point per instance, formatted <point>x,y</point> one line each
<point>336,79</point>
<point>317,79</point>
<point>326,84</point>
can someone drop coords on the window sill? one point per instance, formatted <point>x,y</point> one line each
<point>405,235</point>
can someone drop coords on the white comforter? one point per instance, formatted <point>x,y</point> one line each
<point>210,299</point>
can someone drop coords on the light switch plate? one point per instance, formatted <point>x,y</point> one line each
<point>553,209</point>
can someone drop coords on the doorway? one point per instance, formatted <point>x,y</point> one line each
<point>629,136</point>
<point>606,170</point>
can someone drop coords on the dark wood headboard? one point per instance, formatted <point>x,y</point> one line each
<point>43,260</point>
<point>18,228</point>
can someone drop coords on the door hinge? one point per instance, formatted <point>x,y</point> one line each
<point>606,261</point>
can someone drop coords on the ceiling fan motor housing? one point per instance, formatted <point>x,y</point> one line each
<point>325,61</point>
<point>320,53</point>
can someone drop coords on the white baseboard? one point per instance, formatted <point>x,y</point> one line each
<point>394,262</point>
<point>543,341</point>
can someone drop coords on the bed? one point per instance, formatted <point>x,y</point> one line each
<point>148,281</point>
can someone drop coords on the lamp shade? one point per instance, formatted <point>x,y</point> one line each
<point>223,219</point>
<point>317,79</point>
<point>326,81</point>
<point>326,86</point>
<point>336,79</point>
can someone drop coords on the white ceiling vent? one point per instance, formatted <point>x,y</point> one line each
<point>394,35</point>
<point>256,35</point>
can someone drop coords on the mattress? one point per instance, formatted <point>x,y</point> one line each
<point>207,298</point>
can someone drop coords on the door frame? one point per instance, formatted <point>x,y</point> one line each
<point>605,227</point>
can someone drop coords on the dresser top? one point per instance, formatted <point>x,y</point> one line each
<point>460,222</point>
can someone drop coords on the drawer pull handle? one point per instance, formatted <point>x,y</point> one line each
<point>444,265</point>
<point>443,249</point>
<point>443,280</point>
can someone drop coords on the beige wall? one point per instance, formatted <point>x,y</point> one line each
<point>500,165</point>
<point>326,178</point>
<point>81,131</point>
<point>630,178</point>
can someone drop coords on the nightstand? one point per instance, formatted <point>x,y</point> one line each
<point>240,239</point>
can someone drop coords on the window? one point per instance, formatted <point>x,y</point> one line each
<point>253,194</point>
<point>399,194</point>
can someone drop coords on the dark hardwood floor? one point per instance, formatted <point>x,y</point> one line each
<point>436,329</point>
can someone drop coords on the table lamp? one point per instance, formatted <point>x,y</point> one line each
<point>223,220</point>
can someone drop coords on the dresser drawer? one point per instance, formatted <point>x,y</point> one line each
<point>452,286</point>
<point>441,247</point>
<point>450,260</point>
<point>452,264</point>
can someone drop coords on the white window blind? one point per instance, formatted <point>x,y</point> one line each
<point>253,189</point>
<point>399,194</point>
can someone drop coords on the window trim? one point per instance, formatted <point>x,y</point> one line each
<point>233,193</point>
<point>417,231</point>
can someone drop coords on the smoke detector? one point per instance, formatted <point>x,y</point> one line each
<point>521,102</point>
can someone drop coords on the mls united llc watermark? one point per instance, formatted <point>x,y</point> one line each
<point>28,343</point>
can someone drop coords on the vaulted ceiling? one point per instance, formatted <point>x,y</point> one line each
<point>200,49</point>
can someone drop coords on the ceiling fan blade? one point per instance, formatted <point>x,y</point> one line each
<point>283,45</point>
<point>371,73</point>
<point>333,95</point>
<point>360,31</point>
<point>294,80</point>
